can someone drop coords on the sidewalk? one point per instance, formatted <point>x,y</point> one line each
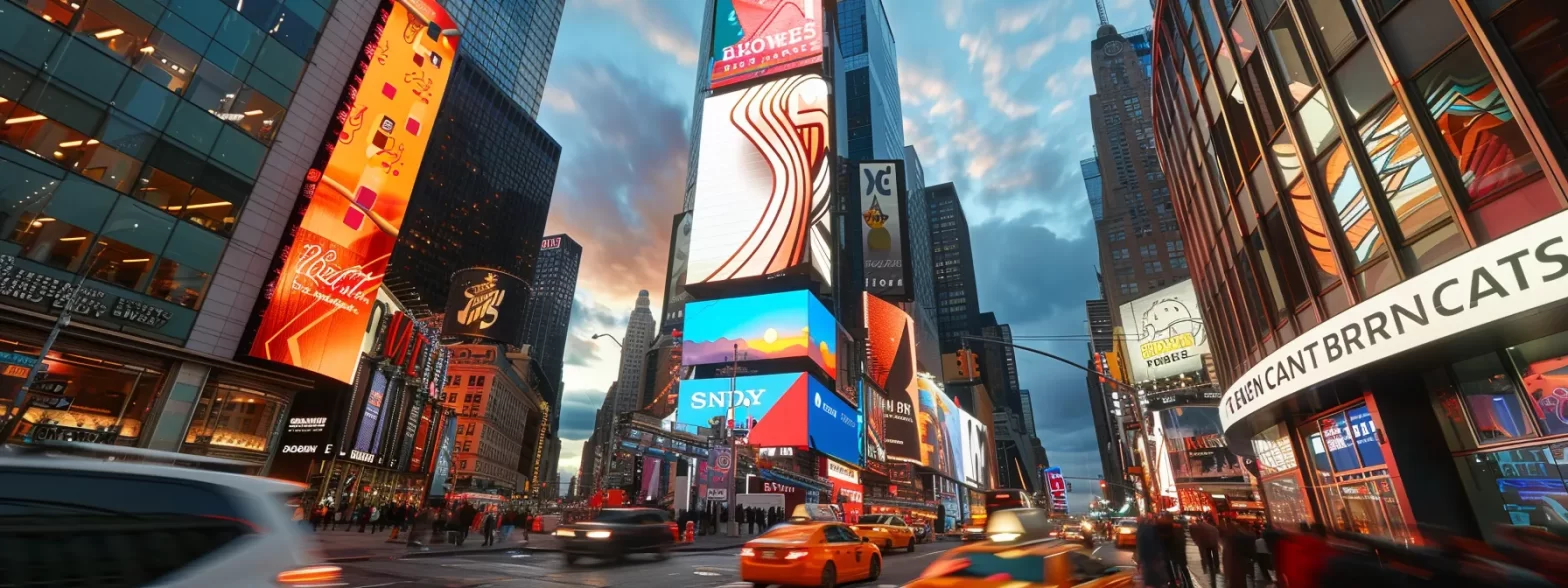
<point>350,546</point>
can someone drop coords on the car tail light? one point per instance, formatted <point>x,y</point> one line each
<point>312,576</point>
<point>1124,531</point>
<point>797,554</point>
<point>748,552</point>
<point>598,534</point>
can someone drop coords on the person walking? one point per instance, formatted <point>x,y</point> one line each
<point>465,519</point>
<point>1238,557</point>
<point>1175,538</point>
<point>1207,537</point>
<point>1149,551</point>
<point>488,527</point>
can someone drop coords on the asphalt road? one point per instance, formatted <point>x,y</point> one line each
<point>547,570</point>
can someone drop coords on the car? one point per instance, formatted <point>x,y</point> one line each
<point>117,522</point>
<point>971,532</point>
<point>1126,533</point>
<point>615,532</point>
<point>923,532</point>
<point>804,552</point>
<point>1022,564</point>
<point>887,531</point>
<point>1076,534</point>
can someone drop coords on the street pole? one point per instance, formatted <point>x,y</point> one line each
<point>734,526</point>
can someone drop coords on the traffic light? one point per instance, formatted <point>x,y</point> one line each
<point>1102,485</point>
<point>968,364</point>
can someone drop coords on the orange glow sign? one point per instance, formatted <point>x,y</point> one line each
<point>354,197</point>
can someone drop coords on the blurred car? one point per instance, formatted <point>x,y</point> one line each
<point>804,552</point>
<point>138,521</point>
<point>615,532</point>
<point>887,531</point>
<point>1125,532</point>
<point>971,533</point>
<point>1076,534</point>
<point>1037,562</point>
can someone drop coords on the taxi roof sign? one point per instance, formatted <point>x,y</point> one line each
<point>821,513</point>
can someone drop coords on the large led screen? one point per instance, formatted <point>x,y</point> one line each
<point>778,410</point>
<point>1197,449</point>
<point>876,423</point>
<point>975,439</point>
<point>782,325</point>
<point>833,425</point>
<point>884,238</point>
<point>890,363</point>
<point>355,195</point>
<point>707,402</point>
<point>940,446</point>
<point>755,38</point>
<point>764,180</point>
<point>675,298</point>
<point>1166,333</point>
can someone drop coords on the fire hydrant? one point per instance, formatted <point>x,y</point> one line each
<point>691,532</point>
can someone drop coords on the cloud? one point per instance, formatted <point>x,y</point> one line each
<point>577,413</point>
<point>952,12</point>
<point>1078,29</point>
<point>1061,107</point>
<point>571,459</point>
<point>1083,68</point>
<point>1028,54</point>
<point>992,60</point>
<point>1124,4</point>
<point>658,27</point>
<point>556,99</point>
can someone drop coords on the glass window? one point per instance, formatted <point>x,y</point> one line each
<point>195,128</point>
<point>1335,301</point>
<point>1256,80</point>
<point>1361,81</point>
<point>262,13</point>
<point>115,262</point>
<point>1286,158</point>
<point>104,164</point>
<point>177,283</point>
<point>1434,248</point>
<point>36,134</point>
<point>1352,208</point>
<point>167,62</point>
<point>113,27</point>
<point>214,89</point>
<point>238,151</point>
<point>1482,137</point>
<point>55,11</point>
<point>1287,503</point>
<point>128,136</point>
<point>228,60</point>
<point>1284,46</point>
<point>203,14</point>
<point>1377,277</point>
<point>163,191</point>
<point>21,191</point>
<point>51,241</point>
<point>295,29</point>
<point>1543,370</point>
<point>1279,246</point>
<point>64,106</point>
<point>280,63</point>
<point>1338,25</point>
<point>1266,8</point>
<point>239,35</point>
<point>1492,396</point>
<point>1271,280</point>
<point>1537,35</point>
<point>1419,32</point>
<point>183,31</point>
<point>1520,486</point>
<point>1404,175</point>
<point>146,101</point>
<point>1314,236</point>
<point>231,417</point>
<point>1317,121</point>
<point>108,400</point>
<point>209,212</point>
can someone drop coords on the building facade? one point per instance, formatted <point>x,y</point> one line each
<point>1141,250</point>
<point>483,192</point>
<point>952,267</point>
<point>549,315</point>
<point>512,41</point>
<point>1374,192</point>
<point>634,356</point>
<point>499,419</point>
<point>870,112</point>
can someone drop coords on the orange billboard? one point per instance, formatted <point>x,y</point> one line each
<point>351,206</point>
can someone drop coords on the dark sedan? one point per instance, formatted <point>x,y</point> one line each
<point>615,532</point>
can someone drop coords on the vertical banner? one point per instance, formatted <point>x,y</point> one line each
<point>890,363</point>
<point>721,462</point>
<point>1058,487</point>
<point>675,298</point>
<point>443,469</point>
<point>884,212</point>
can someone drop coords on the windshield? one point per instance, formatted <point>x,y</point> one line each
<point>876,520</point>
<point>616,516</point>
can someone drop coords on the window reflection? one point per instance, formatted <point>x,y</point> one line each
<point>231,417</point>
<point>115,262</point>
<point>1352,208</point>
<point>1477,126</point>
<point>1537,34</point>
<point>1286,158</point>
<point>117,29</point>
<point>208,211</point>
<point>1543,370</point>
<point>59,12</point>
<point>1318,122</point>
<point>1337,26</point>
<point>1437,247</point>
<point>177,283</point>
<point>109,400</point>
<point>1289,59</point>
<point>51,241</point>
<point>1528,484</point>
<point>167,62</point>
<point>1492,396</point>
<point>1403,170</point>
<point>1314,235</point>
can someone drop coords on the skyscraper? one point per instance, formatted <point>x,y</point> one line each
<point>1023,396</point>
<point>1141,248</point>
<point>483,192</point>
<point>699,94</point>
<point>870,115</point>
<point>512,41</point>
<point>999,366</point>
<point>634,348</point>
<point>953,267</point>
<point>550,311</point>
<point>1108,434</point>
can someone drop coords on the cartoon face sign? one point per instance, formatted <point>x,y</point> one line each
<point>1169,317</point>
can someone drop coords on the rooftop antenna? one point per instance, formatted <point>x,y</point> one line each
<point>1100,6</point>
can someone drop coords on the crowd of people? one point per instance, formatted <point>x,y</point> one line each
<point>451,523</point>
<point>714,519</point>
<point>1229,547</point>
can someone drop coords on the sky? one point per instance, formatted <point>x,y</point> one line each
<point>995,99</point>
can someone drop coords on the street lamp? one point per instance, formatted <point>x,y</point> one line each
<point>612,338</point>
<point>18,404</point>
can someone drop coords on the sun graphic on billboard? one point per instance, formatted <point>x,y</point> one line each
<point>356,193</point>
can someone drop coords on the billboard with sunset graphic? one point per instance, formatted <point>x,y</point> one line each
<point>748,329</point>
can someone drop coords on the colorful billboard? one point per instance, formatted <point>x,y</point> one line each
<point>873,401</point>
<point>975,438</point>
<point>675,298</point>
<point>708,402</point>
<point>1165,332</point>
<point>764,180</point>
<point>940,446</point>
<point>755,38</point>
<point>487,304</point>
<point>782,325</point>
<point>890,363</point>
<point>1197,450</point>
<point>778,410</point>
<point>884,209</point>
<point>1058,487</point>
<point>833,425</point>
<point>351,206</point>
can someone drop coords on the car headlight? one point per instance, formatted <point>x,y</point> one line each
<point>564,533</point>
<point>1003,537</point>
<point>598,534</point>
<point>974,530</point>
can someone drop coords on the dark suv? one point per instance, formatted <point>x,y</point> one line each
<point>615,532</point>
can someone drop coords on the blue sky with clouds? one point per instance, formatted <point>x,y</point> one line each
<point>995,99</point>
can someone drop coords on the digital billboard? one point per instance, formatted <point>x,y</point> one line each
<point>1165,332</point>
<point>763,195</point>
<point>833,425</point>
<point>779,410</point>
<point>940,446</point>
<point>1196,449</point>
<point>755,38</point>
<point>1058,487</point>
<point>875,418</point>
<point>975,438</point>
<point>486,303</point>
<point>707,402</point>
<point>890,363</point>
<point>675,298</point>
<point>781,325</point>
<point>351,206</point>
<point>884,209</point>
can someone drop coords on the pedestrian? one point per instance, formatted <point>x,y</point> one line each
<point>1238,557</point>
<point>375,518</point>
<point>1207,537</point>
<point>1175,540</point>
<point>724,518</point>
<point>465,519</point>
<point>1149,550</point>
<point>1264,556</point>
<point>528,524</point>
<point>488,527</point>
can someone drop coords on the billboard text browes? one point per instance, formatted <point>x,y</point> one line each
<point>890,363</point>
<point>762,204</point>
<point>1166,333</point>
<point>754,38</point>
<point>884,238</point>
<point>355,195</point>
<point>486,303</point>
<point>778,326</point>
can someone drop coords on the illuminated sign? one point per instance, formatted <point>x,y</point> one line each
<point>1058,486</point>
<point>940,446</point>
<point>754,38</point>
<point>883,235</point>
<point>840,471</point>
<point>709,402</point>
<point>351,206</point>
<point>778,410</point>
<point>833,426</point>
<point>1166,333</point>
<point>1507,277</point>
<point>763,195</point>
<point>890,363</point>
<point>975,439</point>
<point>486,303</point>
<point>778,326</point>
<point>675,298</point>
<point>550,243</point>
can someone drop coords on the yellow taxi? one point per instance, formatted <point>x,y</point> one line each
<point>1019,553</point>
<point>809,550</point>
<point>887,531</point>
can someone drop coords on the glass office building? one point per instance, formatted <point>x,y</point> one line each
<point>512,41</point>
<point>1375,196</point>
<point>872,116</point>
